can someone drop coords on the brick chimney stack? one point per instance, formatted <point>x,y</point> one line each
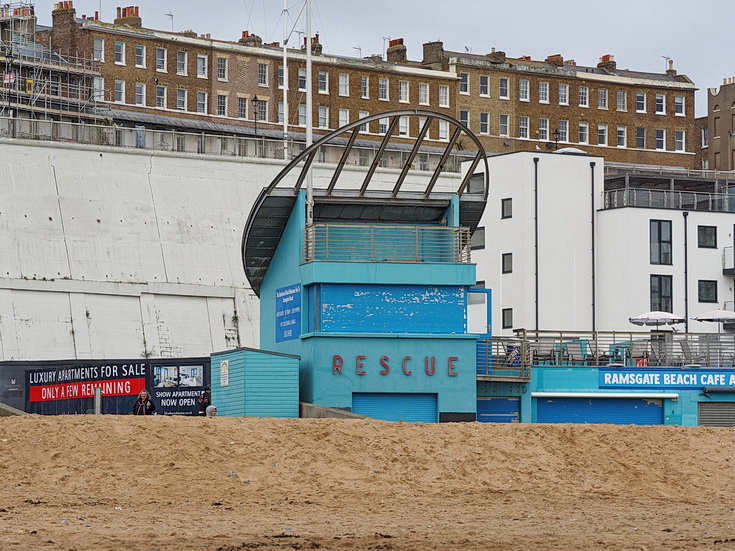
<point>556,60</point>
<point>607,62</point>
<point>434,55</point>
<point>64,35</point>
<point>129,17</point>
<point>316,47</point>
<point>671,71</point>
<point>250,39</point>
<point>397,52</point>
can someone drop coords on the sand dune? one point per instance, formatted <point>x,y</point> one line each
<point>124,482</point>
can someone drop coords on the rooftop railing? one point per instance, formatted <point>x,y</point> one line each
<point>386,243</point>
<point>682,200</point>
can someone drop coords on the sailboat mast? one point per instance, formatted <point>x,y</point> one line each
<point>309,119</point>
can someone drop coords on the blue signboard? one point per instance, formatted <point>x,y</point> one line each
<point>288,312</point>
<point>659,378</point>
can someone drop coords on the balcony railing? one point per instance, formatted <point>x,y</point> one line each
<point>386,243</point>
<point>682,200</point>
<point>728,259</point>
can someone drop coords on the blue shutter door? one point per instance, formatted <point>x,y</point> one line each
<point>616,411</point>
<point>499,410</point>
<point>420,408</point>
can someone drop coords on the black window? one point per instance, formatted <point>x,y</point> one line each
<point>507,318</point>
<point>506,208</point>
<point>478,239</point>
<point>707,237</point>
<point>507,263</point>
<point>661,293</point>
<point>707,291</point>
<point>661,242</point>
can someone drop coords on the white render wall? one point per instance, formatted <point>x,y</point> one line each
<point>114,253</point>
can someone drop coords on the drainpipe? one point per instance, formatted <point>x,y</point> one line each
<point>535,227</point>
<point>592,221</point>
<point>686,271</point>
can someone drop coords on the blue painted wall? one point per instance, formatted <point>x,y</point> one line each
<point>259,384</point>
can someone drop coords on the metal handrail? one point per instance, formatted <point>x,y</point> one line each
<point>386,243</point>
<point>653,198</point>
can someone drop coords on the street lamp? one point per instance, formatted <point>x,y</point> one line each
<point>556,135</point>
<point>256,106</point>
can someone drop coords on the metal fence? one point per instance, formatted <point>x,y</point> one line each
<point>651,198</point>
<point>517,356</point>
<point>386,243</point>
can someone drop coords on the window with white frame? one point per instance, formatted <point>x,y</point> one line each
<point>423,122</point>
<point>263,110</point>
<point>280,108</point>
<point>640,102</point>
<point>640,138</point>
<point>464,117</point>
<point>443,130</point>
<point>423,93</point>
<point>222,105</point>
<point>584,132</point>
<point>161,97</point>
<point>543,92</point>
<point>660,139</point>
<point>383,89</point>
<point>362,115</point>
<point>504,125</point>
<point>161,59</point>
<point>98,89</point>
<point>323,82</point>
<point>344,117</point>
<point>323,116</point>
<point>660,104</point>
<point>120,53</point>
<point>403,126</point>
<point>98,50</point>
<point>484,123</point>
<point>242,108</point>
<point>622,136</point>
<point>543,129</point>
<point>140,55</point>
<point>464,83</point>
<point>403,91</point>
<point>602,98</point>
<point>119,91</point>
<point>679,106</point>
<point>523,86</point>
<point>365,87</point>
<point>344,84</point>
<point>302,79</point>
<point>262,74</point>
<point>302,114</point>
<point>181,99</point>
<point>601,134</point>
<point>563,127</point>
<point>201,102</point>
<point>202,69</point>
<point>523,126</point>
<point>222,67</point>
<point>503,88</point>
<point>382,126</point>
<point>679,140</point>
<point>181,64</point>
<point>443,96</point>
<point>622,100</point>
<point>584,99</point>
<point>563,94</point>
<point>139,93</point>
<point>484,85</point>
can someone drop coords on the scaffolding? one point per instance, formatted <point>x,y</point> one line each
<point>37,82</point>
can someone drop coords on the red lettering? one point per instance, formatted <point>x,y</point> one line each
<point>384,363</point>
<point>360,364</point>
<point>337,362</point>
<point>433,365</point>
<point>405,361</point>
<point>452,373</point>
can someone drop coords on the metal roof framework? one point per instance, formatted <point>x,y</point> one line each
<point>366,204</point>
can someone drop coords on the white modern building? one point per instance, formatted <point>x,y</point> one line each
<point>569,243</point>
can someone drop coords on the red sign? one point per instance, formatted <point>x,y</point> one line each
<point>8,78</point>
<point>66,391</point>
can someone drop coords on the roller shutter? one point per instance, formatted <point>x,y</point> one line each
<point>397,407</point>
<point>617,411</point>
<point>717,414</point>
<point>498,410</point>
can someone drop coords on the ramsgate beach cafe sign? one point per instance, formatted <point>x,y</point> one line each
<point>174,385</point>
<point>654,378</point>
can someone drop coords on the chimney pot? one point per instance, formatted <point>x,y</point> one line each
<point>119,12</point>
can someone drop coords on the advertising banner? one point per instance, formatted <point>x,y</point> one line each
<point>666,379</point>
<point>288,313</point>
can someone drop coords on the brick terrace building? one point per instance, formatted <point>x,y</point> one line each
<point>158,77</point>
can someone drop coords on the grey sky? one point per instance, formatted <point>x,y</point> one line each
<point>639,33</point>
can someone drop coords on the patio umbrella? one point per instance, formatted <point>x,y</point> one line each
<point>656,319</point>
<point>721,316</point>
